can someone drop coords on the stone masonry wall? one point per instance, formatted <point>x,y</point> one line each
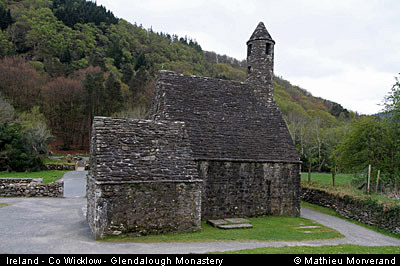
<point>234,189</point>
<point>144,207</point>
<point>142,178</point>
<point>365,211</point>
<point>69,167</point>
<point>30,187</point>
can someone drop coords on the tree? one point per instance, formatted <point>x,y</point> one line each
<point>113,100</point>
<point>369,142</point>
<point>392,100</point>
<point>37,134</point>
<point>20,83</point>
<point>94,95</point>
<point>63,107</point>
<point>5,18</point>
<point>6,47</point>
<point>16,153</point>
<point>7,113</point>
<point>392,116</point>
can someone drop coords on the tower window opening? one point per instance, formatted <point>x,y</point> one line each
<point>249,49</point>
<point>267,48</point>
<point>248,69</point>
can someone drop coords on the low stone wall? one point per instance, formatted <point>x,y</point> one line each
<point>59,167</point>
<point>366,211</point>
<point>30,187</point>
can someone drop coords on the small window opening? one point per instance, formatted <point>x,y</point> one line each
<point>249,49</point>
<point>268,49</point>
<point>248,69</point>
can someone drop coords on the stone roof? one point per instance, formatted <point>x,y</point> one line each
<point>225,120</point>
<point>260,33</point>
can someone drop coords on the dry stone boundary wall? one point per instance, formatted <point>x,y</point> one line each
<point>363,210</point>
<point>30,187</point>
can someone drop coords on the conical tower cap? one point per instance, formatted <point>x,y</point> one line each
<point>260,33</point>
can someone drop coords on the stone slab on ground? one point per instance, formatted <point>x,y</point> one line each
<point>230,223</point>
<point>237,220</point>
<point>308,227</point>
<point>217,222</point>
<point>234,226</point>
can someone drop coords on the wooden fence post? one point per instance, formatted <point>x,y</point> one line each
<point>377,181</point>
<point>369,178</point>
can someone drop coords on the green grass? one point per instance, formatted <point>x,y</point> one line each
<point>267,228</point>
<point>340,249</point>
<point>343,186</point>
<point>326,178</point>
<point>3,205</point>
<point>48,176</point>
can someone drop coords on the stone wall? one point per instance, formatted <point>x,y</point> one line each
<point>366,211</point>
<point>70,167</point>
<point>30,187</point>
<point>143,208</point>
<point>234,189</point>
<point>142,178</point>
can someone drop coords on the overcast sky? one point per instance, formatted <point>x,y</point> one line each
<point>347,51</point>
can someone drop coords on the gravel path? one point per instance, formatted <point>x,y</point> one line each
<point>51,225</point>
<point>75,184</point>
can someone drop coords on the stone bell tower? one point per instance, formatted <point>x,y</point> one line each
<point>260,61</point>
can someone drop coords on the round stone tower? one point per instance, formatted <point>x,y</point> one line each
<point>260,61</point>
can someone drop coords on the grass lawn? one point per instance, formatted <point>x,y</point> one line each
<point>340,249</point>
<point>267,228</point>
<point>326,178</point>
<point>3,205</point>
<point>48,176</point>
<point>343,186</point>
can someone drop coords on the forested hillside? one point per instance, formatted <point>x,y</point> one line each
<point>65,61</point>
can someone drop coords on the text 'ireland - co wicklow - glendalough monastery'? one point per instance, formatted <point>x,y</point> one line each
<point>211,149</point>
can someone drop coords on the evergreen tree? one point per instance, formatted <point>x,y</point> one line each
<point>5,18</point>
<point>113,101</point>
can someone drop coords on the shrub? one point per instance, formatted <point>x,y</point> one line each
<point>16,151</point>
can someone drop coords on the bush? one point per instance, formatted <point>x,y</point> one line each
<point>16,151</point>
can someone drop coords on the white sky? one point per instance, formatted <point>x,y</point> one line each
<point>347,51</point>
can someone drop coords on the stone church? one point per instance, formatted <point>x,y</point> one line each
<point>211,149</point>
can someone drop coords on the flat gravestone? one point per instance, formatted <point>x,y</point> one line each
<point>230,223</point>
<point>234,226</point>
<point>308,227</point>
<point>216,223</point>
<point>237,220</point>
